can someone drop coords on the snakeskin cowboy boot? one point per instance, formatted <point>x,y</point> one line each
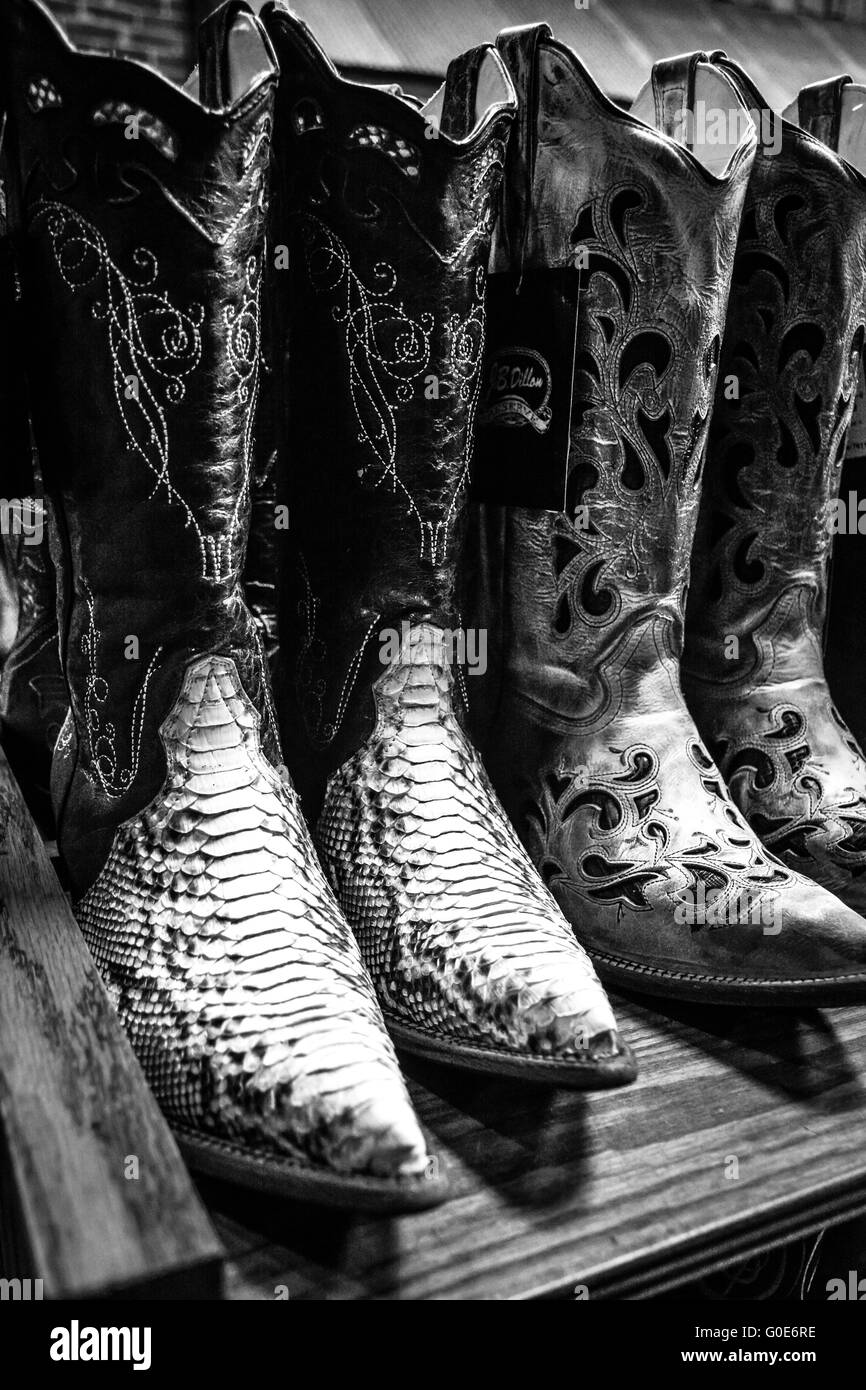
<point>138,226</point>
<point>833,111</point>
<point>383,214</point>
<point>610,274</point>
<point>753,669</point>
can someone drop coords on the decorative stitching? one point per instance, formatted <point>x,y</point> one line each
<point>405,155</point>
<point>113,780</point>
<point>311,655</point>
<point>137,315</point>
<point>382,368</point>
<point>146,124</point>
<point>243,345</point>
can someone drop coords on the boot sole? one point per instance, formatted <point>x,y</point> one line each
<point>728,989</point>
<point>544,1071</point>
<point>296,1179</point>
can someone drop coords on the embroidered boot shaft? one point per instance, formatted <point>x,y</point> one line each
<point>754,674</point>
<point>384,214</point>
<point>610,274</point>
<point>195,880</point>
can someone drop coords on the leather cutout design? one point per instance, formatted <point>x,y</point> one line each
<point>754,672</point>
<point>633,854</point>
<point>585,731</point>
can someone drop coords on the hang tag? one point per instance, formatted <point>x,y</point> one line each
<point>521,445</point>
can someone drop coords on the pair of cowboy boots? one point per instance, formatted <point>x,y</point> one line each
<point>154,259</point>
<point>612,347</point>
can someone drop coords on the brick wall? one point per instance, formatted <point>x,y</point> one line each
<point>158,31</point>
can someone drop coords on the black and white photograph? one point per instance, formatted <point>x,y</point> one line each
<point>433,670</point>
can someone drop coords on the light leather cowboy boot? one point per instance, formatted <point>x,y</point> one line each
<point>833,111</point>
<point>610,274</point>
<point>138,225</point>
<point>383,216</point>
<point>753,669</point>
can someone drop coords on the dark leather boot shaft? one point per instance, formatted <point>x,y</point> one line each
<point>137,217</point>
<point>385,212</point>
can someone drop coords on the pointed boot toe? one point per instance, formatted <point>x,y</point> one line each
<point>386,1140</point>
<point>473,962</point>
<point>795,947</point>
<point>237,977</point>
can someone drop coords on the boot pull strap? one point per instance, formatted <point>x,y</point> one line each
<point>673,82</point>
<point>215,52</point>
<point>461,85</point>
<point>518,49</point>
<point>819,109</point>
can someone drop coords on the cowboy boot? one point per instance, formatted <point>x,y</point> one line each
<point>193,875</point>
<point>753,668</point>
<point>610,273</point>
<point>33,697</point>
<point>832,111</point>
<point>384,213</point>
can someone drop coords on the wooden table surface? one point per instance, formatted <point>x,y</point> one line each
<point>744,1130</point>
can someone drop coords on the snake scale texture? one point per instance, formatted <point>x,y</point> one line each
<point>231,966</point>
<point>459,933</point>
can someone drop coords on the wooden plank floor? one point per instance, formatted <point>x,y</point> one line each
<point>75,1110</point>
<point>744,1130</point>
